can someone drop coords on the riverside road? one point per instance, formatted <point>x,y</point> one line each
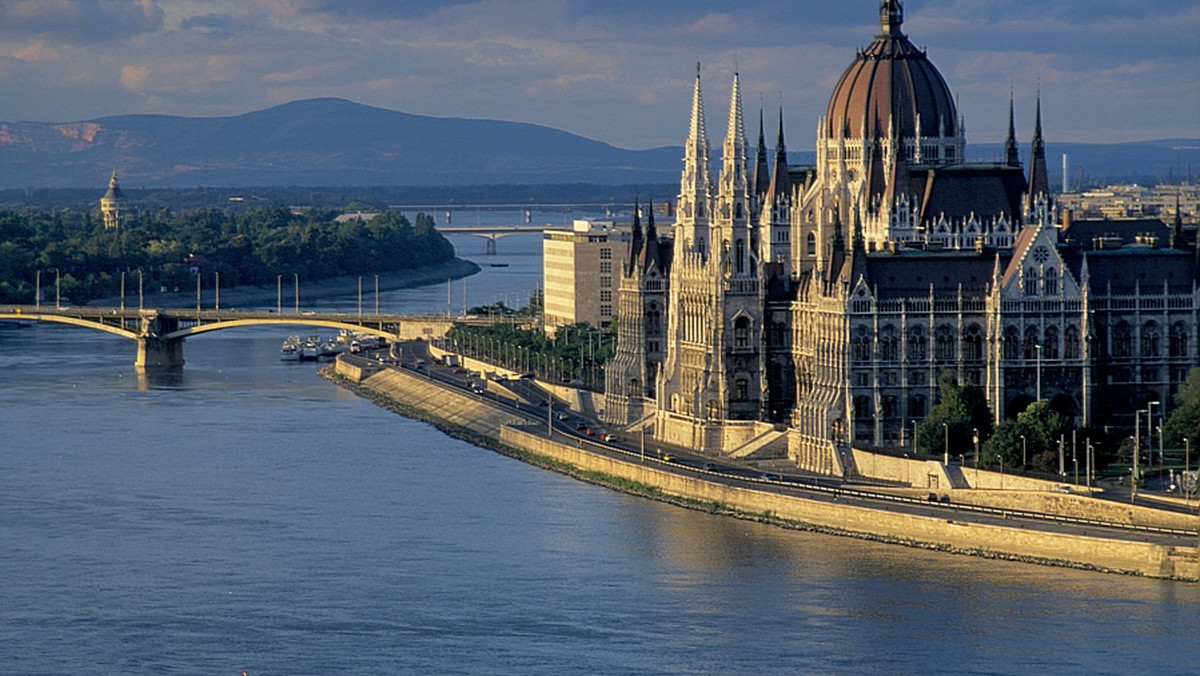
<point>415,357</point>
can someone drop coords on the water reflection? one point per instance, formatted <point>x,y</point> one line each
<point>162,378</point>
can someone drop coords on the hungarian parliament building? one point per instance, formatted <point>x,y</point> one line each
<point>816,306</point>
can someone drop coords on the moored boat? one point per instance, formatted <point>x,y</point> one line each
<point>290,350</point>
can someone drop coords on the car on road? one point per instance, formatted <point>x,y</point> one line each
<point>607,436</point>
<point>667,457</point>
<point>708,466</point>
<point>580,426</point>
<point>769,476</point>
<point>460,370</point>
<point>562,417</point>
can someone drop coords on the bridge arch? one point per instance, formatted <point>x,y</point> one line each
<point>282,321</point>
<point>73,321</point>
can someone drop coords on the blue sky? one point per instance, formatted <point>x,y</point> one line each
<point>618,71</point>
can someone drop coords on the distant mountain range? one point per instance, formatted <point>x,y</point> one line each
<point>334,142</point>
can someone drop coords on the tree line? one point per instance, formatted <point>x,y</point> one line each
<point>252,247</point>
<point>1039,436</point>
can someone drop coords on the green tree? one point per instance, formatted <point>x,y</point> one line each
<point>959,413</point>
<point>1041,427</point>
<point>1184,421</point>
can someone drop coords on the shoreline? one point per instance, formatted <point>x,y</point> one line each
<point>321,289</point>
<point>954,536</point>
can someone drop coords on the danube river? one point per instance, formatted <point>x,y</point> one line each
<point>246,514</point>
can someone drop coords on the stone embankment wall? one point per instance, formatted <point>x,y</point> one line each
<point>462,409</point>
<point>935,532</point>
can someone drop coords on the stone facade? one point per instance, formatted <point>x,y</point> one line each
<point>828,298</point>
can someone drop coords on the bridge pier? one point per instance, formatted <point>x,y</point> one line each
<point>155,351</point>
<point>491,246</point>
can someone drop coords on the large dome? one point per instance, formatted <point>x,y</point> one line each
<point>891,81</point>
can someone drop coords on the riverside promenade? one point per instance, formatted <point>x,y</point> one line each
<point>1095,535</point>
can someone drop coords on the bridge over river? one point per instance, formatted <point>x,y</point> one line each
<point>160,332</point>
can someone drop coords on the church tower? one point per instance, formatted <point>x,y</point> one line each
<point>713,367</point>
<point>114,206</point>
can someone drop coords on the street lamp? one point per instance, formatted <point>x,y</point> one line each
<point>1024,457</point>
<point>975,441</point>
<point>945,443</point>
<point>1039,371</point>
<point>1150,431</point>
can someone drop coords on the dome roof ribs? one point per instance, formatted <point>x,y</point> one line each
<point>891,82</point>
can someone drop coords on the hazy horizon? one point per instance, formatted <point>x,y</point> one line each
<point>618,71</point>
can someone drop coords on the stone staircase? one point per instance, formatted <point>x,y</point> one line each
<point>767,446</point>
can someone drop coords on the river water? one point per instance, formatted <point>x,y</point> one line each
<point>246,514</point>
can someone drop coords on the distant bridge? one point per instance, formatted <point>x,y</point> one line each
<point>495,232</point>
<point>160,332</point>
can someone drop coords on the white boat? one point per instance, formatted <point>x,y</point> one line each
<point>333,347</point>
<point>311,349</point>
<point>290,351</point>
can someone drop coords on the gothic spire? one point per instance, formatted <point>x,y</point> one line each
<point>635,240</point>
<point>780,183</point>
<point>695,187</point>
<point>732,184</point>
<point>762,176</point>
<point>651,254</point>
<point>1012,157</point>
<point>1039,181</point>
<point>1177,227</point>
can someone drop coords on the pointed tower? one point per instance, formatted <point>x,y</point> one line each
<point>695,188</point>
<point>776,218</point>
<point>732,218</point>
<point>1039,180</point>
<point>1012,157</point>
<point>761,180</point>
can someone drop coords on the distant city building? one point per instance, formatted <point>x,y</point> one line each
<point>820,303</point>
<point>578,274</point>
<point>1135,201</point>
<point>113,206</point>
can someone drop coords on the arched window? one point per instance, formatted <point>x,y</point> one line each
<point>862,408</point>
<point>740,252</point>
<point>1122,340</point>
<point>653,319</point>
<point>635,388</point>
<point>1031,282</point>
<point>972,343</point>
<point>742,389</point>
<point>891,407</point>
<point>1050,344</point>
<point>1012,343</point>
<point>945,343</point>
<point>861,345</point>
<point>1150,339</point>
<point>741,332</point>
<point>917,344</point>
<point>916,406</point>
<point>1050,284</point>
<point>1179,340</point>
<point>889,344</point>
<point>1071,345</point>
<point>713,410</point>
<point>812,244</point>
<point>1029,349</point>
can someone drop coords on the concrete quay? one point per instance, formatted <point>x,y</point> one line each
<point>955,529</point>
